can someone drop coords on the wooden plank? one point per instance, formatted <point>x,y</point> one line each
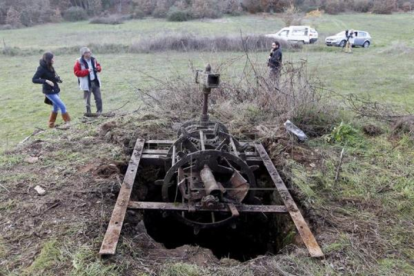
<point>118,215</point>
<point>295,214</point>
<point>164,206</point>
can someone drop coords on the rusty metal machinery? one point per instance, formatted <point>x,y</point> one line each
<point>209,178</point>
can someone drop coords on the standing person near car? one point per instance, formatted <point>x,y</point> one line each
<point>275,63</point>
<point>86,69</point>
<point>350,40</point>
<point>46,75</point>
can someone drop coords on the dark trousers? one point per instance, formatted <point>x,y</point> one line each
<point>96,91</point>
<point>274,76</point>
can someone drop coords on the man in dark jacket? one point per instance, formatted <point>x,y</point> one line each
<point>275,63</point>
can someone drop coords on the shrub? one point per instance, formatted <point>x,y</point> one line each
<point>177,15</point>
<point>407,6</point>
<point>11,51</point>
<point>343,134</point>
<point>383,6</point>
<point>137,14</point>
<point>334,6</point>
<point>362,5</point>
<point>49,15</point>
<point>292,16</point>
<point>231,7</point>
<point>27,17</point>
<point>146,6</point>
<point>75,14</point>
<point>111,20</point>
<point>161,10</point>
<point>13,18</point>
<point>252,6</point>
<point>192,43</point>
<point>275,6</point>
<point>6,27</point>
<point>94,7</point>
<point>249,98</point>
<point>205,9</point>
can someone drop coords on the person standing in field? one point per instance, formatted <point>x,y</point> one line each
<point>86,69</point>
<point>275,63</point>
<point>46,75</point>
<point>350,40</point>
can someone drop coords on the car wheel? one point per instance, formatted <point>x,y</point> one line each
<point>366,44</point>
<point>342,44</point>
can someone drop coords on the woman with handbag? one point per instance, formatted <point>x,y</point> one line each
<point>46,75</point>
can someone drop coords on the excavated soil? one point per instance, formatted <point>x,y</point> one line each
<point>80,196</point>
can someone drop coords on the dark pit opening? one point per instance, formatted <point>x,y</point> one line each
<point>251,234</point>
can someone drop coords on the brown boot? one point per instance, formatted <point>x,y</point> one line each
<point>52,119</point>
<point>66,118</point>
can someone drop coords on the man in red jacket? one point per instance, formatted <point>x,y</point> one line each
<point>86,69</point>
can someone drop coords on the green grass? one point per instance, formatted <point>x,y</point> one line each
<point>381,75</point>
<point>47,258</point>
<point>383,28</point>
<point>182,269</point>
<point>86,263</point>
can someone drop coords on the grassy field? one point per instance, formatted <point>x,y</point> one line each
<point>365,218</point>
<point>383,29</point>
<point>382,72</point>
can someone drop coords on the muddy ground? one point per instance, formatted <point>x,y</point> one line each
<point>81,170</point>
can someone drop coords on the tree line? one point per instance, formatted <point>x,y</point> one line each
<point>20,13</point>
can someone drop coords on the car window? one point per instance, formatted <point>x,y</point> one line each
<point>284,33</point>
<point>362,34</point>
<point>299,32</point>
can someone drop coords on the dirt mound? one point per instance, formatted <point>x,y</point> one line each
<point>372,130</point>
<point>404,126</point>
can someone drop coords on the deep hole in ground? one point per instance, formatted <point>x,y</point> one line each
<point>254,234</point>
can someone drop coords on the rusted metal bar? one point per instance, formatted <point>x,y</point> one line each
<point>155,151</point>
<point>165,152</point>
<point>295,214</point>
<point>233,210</point>
<point>163,142</point>
<point>170,142</point>
<point>204,116</point>
<point>203,147</point>
<point>233,146</point>
<point>164,206</point>
<point>118,215</point>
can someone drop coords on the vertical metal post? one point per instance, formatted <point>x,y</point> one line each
<point>206,91</point>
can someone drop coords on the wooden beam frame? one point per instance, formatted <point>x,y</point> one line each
<point>294,212</point>
<point>118,215</point>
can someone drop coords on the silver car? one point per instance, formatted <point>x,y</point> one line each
<point>362,39</point>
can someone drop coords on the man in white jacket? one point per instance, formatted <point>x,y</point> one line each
<point>86,69</point>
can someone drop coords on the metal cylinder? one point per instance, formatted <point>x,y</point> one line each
<point>210,183</point>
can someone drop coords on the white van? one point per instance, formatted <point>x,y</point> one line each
<point>304,34</point>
